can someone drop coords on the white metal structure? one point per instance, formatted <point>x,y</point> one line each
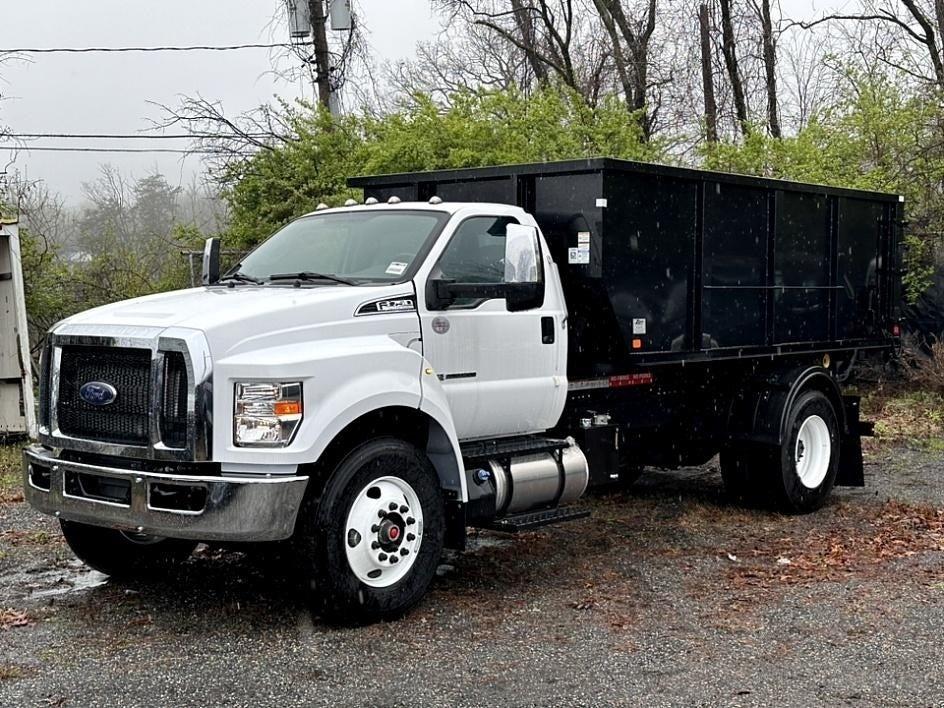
<point>16,382</point>
<point>813,452</point>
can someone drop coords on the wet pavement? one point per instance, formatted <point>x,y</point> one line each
<point>667,595</point>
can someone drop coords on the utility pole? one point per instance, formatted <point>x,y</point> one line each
<point>322,57</point>
<point>309,19</point>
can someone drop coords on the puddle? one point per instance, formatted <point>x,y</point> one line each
<point>39,581</point>
<point>85,579</point>
<point>478,542</point>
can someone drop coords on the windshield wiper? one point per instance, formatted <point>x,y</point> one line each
<point>242,278</point>
<point>309,275</point>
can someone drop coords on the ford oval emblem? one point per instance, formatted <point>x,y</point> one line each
<point>98,393</point>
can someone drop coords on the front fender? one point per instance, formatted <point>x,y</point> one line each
<point>342,380</point>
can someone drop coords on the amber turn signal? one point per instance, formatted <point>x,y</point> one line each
<point>287,408</point>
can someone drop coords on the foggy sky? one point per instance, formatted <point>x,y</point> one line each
<point>100,93</point>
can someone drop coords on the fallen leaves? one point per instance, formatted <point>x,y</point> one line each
<point>861,547</point>
<point>10,618</point>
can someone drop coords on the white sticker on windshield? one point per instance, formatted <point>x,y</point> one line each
<point>396,268</point>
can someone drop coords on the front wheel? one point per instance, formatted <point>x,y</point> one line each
<point>123,554</point>
<point>371,543</point>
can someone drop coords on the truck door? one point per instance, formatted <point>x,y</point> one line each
<point>501,363</point>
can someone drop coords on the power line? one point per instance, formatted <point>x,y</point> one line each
<point>90,50</point>
<point>28,148</point>
<point>130,136</point>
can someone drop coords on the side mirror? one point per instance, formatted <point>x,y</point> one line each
<point>522,254</point>
<point>211,261</point>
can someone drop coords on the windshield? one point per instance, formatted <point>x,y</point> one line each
<point>367,246</point>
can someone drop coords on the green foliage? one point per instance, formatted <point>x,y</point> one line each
<point>484,128</point>
<point>919,267</point>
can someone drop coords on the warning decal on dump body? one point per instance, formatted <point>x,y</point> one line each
<point>639,325</point>
<point>579,255</point>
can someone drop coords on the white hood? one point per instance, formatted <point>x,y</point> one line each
<point>243,317</point>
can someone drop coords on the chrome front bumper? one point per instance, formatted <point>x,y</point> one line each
<point>230,508</point>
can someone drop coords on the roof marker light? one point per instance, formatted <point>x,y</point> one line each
<point>435,200</point>
<point>321,206</point>
<point>371,201</point>
<point>350,202</point>
<point>393,200</point>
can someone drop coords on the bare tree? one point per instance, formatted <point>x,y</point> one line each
<point>769,44</point>
<point>631,42</point>
<point>729,49</point>
<point>914,24</point>
<point>707,75</point>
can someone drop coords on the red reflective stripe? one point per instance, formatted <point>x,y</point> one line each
<point>630,380</point>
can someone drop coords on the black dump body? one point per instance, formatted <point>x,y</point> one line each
<point>663,265</point>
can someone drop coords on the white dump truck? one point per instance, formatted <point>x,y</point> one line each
<point>468,348</point>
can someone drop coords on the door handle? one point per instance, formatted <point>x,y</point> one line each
<point>547,330</point>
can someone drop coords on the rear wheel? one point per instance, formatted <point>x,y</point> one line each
<point>123,554</point>
<point>370,544</point>
<point>796,476</point>
<point>804,472</point>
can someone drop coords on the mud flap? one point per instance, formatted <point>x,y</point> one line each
<point>851,471</point>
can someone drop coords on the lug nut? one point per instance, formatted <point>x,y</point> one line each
<point>382,556</point>
<point>394,559</point>
<point>404,551</point>
<point>404,509</point>
<point>382,514</point>
<point>375,528</point>
<point>374,546</point>
<point>410,521</point>
<point>410,537</point>
<point>393,506</point>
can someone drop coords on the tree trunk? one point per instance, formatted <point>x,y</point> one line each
<point>633,66</point>
<point>770,68</point>
<point>524,19</point>
<point>707,77</point>
<point>319,34</point>
<point>729,50</point>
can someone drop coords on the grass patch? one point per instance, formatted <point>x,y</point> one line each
<point>11,489</point>
<point>907,415</point>
<point>12,672</point>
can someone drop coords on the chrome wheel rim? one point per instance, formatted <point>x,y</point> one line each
<point>383,532</point>
<point>812,452</point>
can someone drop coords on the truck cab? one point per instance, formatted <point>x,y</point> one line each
<point>210,414</point>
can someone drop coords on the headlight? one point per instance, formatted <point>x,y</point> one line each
<point>266,414</point>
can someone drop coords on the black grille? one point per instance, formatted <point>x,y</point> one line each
<point>125,421</point>
<point>174,401</point>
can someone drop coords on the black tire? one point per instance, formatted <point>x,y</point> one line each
<point>333,589</point>
<point>788,492</point>
<point>124,555</point>
<point>768,477</point>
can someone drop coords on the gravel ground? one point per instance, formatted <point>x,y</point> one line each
<point>667,595</point>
